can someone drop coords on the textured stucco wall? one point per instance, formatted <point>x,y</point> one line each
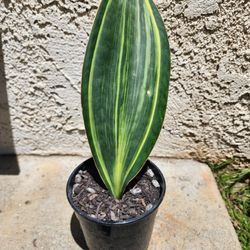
<point>43,44</point>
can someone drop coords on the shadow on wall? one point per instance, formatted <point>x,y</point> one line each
<point>8,159</point>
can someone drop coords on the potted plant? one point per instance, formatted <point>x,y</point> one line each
<point>126,70</point>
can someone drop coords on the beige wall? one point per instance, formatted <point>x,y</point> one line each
<point>43,44</point>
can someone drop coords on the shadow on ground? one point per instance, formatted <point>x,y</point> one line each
<point>76,232</point>
<point>8,163</point>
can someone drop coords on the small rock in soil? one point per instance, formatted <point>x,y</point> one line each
<point>133,212</point>
<point>135,191</point>
<point>113,217</point>
<point>91,190</point>
<point>155,183</point>
<point>102,215</point>
<point>76,188</point>
<point>143,202</point>
<point>78,178</point>
<point>93,196</point>
<point>149,206</point>
<point>150,173</point>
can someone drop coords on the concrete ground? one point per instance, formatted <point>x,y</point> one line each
<point>35,214</point>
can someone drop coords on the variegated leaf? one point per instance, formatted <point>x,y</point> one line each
<point>125,88</point>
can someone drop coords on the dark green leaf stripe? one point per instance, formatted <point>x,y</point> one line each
<point>124,88</point>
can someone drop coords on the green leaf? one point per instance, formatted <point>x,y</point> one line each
<point>125,88</point>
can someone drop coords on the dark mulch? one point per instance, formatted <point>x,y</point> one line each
<point>90,196</point>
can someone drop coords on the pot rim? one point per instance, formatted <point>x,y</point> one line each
<point>69,188</point>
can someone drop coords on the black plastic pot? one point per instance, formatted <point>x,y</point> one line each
<point>132,234</point>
